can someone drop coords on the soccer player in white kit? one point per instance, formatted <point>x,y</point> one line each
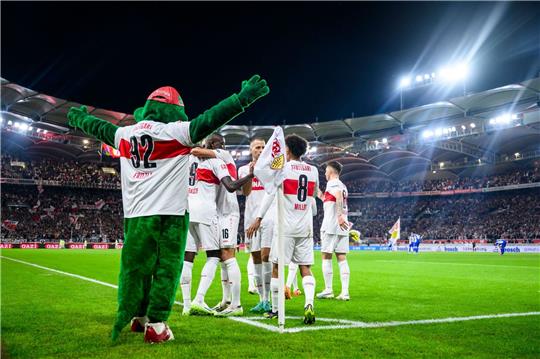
<point>261,242</point>
<point>335,232</point>
<point>228,220</point>
<point>300,183</point>
<point>205,178</point>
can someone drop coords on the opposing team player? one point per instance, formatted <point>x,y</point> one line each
<point>261,242</point>
<point>501,246</point>
<point>206,175</point>
<point>228,220</point>
<point>300,183</point>
<point>335,232</point>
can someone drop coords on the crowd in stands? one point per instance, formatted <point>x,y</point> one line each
<point>510,215</point>
<point>65,172</point>
<point>44,213</point>
<point>74,173</point>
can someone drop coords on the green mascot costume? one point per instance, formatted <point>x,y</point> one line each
<point>155,172</point>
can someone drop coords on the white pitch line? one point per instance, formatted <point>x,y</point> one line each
<point>344,323</point>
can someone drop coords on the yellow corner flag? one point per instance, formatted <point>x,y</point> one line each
<point>395,231</point>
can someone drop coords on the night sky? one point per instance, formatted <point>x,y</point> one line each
<point>325,60</point>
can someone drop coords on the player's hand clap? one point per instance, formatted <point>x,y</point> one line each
<point>253,228</point>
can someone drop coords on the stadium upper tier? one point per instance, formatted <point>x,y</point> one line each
<point>442,139</point>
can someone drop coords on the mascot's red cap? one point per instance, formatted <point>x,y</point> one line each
<point>167,94</point>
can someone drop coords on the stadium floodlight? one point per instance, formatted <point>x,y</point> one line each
<point>405,82</point>
<point>30,128</point>
<point>517,154</point>
<point>233,152</point>
<point>419,78</point>
<point>426,77</point>
<point>24,126</point>
<point>463,127</point>
<point>453,128</point>
<point>45,131</point>
<point>245,153</point>
<point>438,132</point>
<point>376,142</point>
<point>10,123</point>
<point>38,130</point>
<point>441,164</point>
<point>17,125</point>
<point>434,171</point>
<point>461,71</point>
<point>473,125</point>
<point>385,140</point>
<point>85,141</point>
<point>433,75</point>
<point>427,134</point>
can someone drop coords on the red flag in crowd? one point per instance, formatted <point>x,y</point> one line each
<point>10,225</point>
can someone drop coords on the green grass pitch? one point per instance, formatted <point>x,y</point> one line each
<point>48,314</point>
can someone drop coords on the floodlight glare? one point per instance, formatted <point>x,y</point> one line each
<point>86,142</point>
<point>10,123</point>
<point>245,153</point>
<point>427,134</point>
<point>453,129</point>
<point>38,130</point>
<point>461,71</point>
<point>45,131</point>
<point>233,153</point>
<point>17,125</point>
<point>24,126</point>
<point>419,78</point>
<point>516,154</point>
<point>405,82</point>
<point>385,140</point>
<point>441,164</point>
<point>463,127</point>
<point>426,77</point>
<point>473,125</point>
<point>438,132</point>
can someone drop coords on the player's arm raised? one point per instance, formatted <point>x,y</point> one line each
<point>217,116</point>
<point>92,125</point>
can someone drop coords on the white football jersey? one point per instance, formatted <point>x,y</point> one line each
<point>330,222</point>
<point>154,167</point>
<point>300,183</point>
<point>204,181</point>
<point>227,203</point>
<point>255,198</point>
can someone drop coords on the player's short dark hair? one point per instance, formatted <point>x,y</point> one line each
<point>257,139</point>
<point>297,145</point>
<point>338,167</point>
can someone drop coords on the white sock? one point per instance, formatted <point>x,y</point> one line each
<point>235,279</point>
<point>291,276</point>
<point>258,274</point>
<point>327,274</point>
<point>251,273</point>
<point>274,285</point>
<point>344,274</point>
<point>308,282</point>
<point>267,275</point>
<point>207,276</point>
<point>185,283</point>
<point>225,286</point>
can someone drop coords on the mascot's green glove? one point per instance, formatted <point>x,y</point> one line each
<point>252,90</point>
<point>91,125</point>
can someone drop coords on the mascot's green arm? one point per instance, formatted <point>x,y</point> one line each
<point>91,125</point>
<point>212,119</point>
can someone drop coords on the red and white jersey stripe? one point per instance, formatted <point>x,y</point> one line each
<point>227,203</point>
<point>255,198</point>
<point>155,169</point>
<point>300,183</point>
<point>330,223</point>
<point>204,183</point>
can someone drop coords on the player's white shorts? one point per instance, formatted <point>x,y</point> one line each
<point>298,250</point>
<point>228,230</point>
<point>202,236</point>
<point>264,236</point>
<point>334,243</point>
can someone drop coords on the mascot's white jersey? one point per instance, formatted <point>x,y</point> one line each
<point>155,167</point>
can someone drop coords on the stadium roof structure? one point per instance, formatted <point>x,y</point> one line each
<point>461,132</point>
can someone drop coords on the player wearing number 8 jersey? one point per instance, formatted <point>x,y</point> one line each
<point>299,185</point>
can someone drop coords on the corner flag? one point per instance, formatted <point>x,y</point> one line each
<point>269,166</point>
<point>269,171</point>
<point>395,231</point>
